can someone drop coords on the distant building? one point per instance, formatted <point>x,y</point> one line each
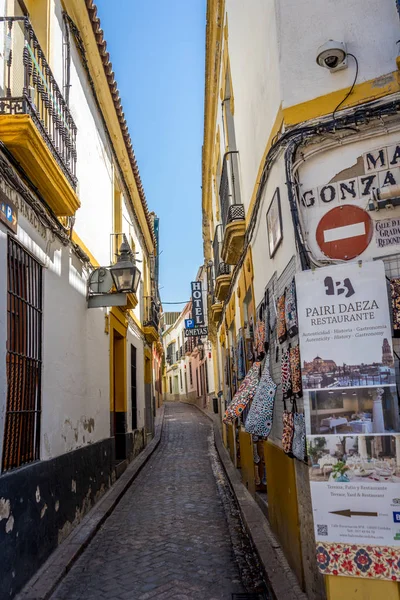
<point>319,365</point>
<point>387,356</point>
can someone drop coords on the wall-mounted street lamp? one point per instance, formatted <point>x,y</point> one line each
<point>123,275</point>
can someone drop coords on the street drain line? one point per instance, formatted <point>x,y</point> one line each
<point>249,567</point>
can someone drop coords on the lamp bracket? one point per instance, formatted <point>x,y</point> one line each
<point>107,300</point>
<point>100,281</point>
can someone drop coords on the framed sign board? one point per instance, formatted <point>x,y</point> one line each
<point>274,224</point>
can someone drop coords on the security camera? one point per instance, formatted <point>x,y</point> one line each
<point>332,55</point>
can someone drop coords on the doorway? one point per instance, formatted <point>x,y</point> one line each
<point>118,391</point>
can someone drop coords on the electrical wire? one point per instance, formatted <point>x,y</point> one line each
<point>351,89</point>
<point>186,301</point>
<point>299,135</point>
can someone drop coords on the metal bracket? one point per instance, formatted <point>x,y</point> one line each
<point>103,300</point>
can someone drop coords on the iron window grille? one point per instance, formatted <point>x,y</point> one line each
<point>21,443</point>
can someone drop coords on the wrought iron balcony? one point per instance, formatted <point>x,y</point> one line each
<point>220,267</point>
<point>29,88</point>
<point>222,271</point>
<point>229,193</point>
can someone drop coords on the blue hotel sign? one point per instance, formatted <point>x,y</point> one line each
<point>8,212</point>
<point>189,323</point>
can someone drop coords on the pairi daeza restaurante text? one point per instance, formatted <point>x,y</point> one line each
<point>327,314</point>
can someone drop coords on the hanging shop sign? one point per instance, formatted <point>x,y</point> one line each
<point>197,302</point>
<point>344,232</point>
<point>352,419</point>
<point>8,212</point>
<point>196,331</point>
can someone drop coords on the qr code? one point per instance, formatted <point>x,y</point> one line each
<point>322,529</point>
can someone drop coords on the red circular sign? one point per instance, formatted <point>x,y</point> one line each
<point>344,232</point>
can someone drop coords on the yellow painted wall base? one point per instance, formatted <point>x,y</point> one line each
<point>355,588</point>
<point>247,461</point>
<point>224,435</point>
<point>231,442</point>
<point>282,504</point>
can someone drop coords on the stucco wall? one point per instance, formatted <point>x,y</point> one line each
<point>75,376</point>
<point>304,25</point>
<point>254,62</point>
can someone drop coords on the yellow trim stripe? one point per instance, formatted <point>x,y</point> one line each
<point>323,105</point>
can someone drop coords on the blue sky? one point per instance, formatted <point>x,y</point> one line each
<point>157,51</point>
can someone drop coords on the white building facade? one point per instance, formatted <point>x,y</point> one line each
<point>76,384</point>
<point>189,369</point>
<point>286,141</point>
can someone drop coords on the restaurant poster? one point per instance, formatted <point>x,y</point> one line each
<point>352,416</point>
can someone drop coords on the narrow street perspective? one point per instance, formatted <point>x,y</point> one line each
<point>199,299</point>
<point>169,536</point>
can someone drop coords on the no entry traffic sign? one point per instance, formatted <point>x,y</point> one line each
<point>344,232</point>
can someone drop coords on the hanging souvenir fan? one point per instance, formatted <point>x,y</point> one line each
<point>244,394</point>
<point>241,369</point>
<point>299,435</point>
<point>288,430</point>
<point>286,375</point>
<point>260,337</point>
<point>291,310</point>
<point>259,420</point>
<point>267,319</point>
<point>295,370</point>
<point>272,310</point>
<point>282,333</point>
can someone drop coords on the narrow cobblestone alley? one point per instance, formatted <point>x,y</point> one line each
<point>169,537</point>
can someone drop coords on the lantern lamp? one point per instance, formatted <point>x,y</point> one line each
<point>125,274</point>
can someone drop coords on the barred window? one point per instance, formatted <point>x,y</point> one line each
<point>24,358</point>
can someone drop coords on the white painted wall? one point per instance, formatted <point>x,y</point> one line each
<point>75,375</point>
<point>75,380</point>
<point>254,62</point>
<point>370,30</point>
<point>94,166</point>
<point>264,267</point>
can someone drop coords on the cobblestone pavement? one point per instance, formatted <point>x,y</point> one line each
<point>170,536</point>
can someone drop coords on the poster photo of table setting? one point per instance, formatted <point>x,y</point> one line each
<point>352,411</point>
